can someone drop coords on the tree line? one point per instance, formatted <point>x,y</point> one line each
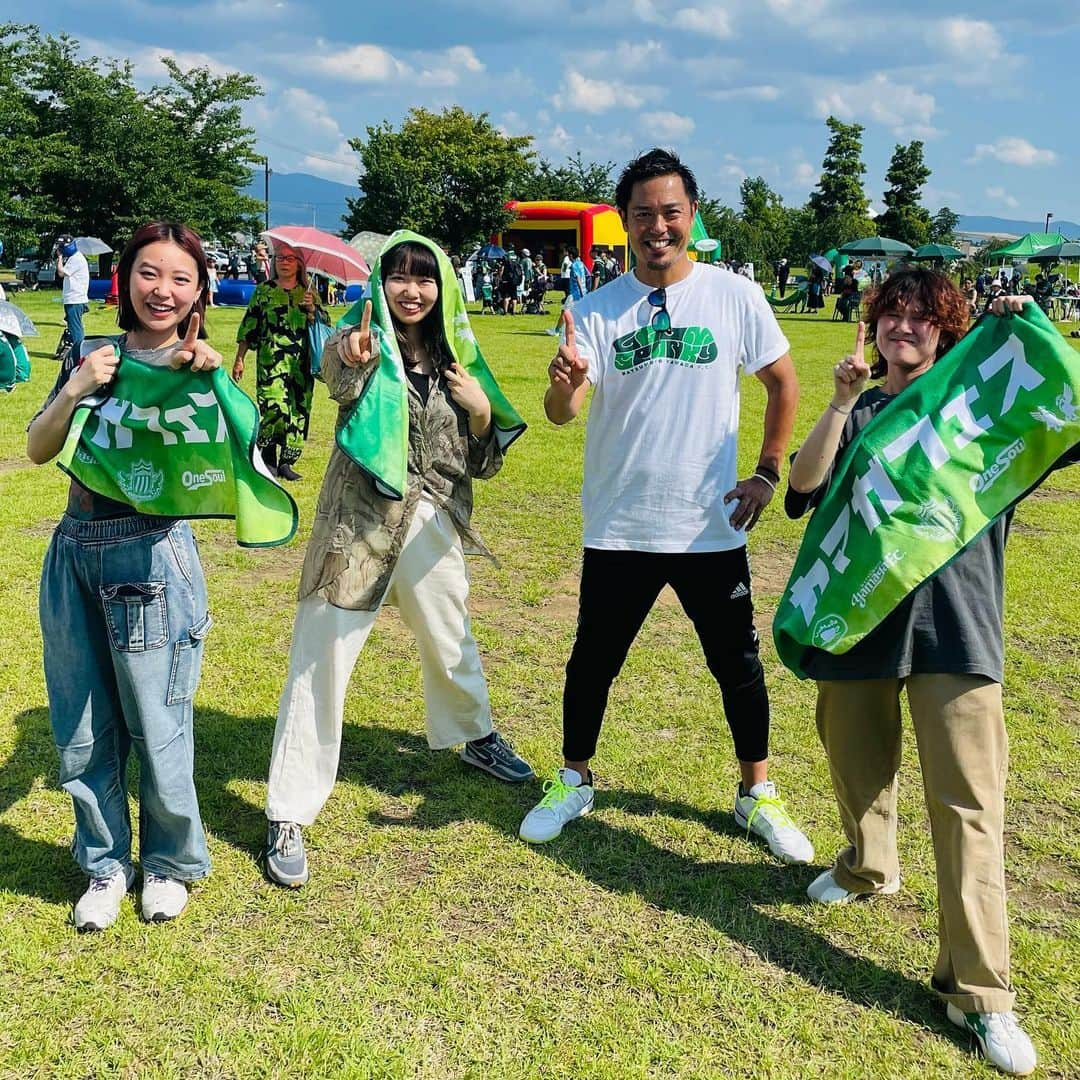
<point>83,149</point>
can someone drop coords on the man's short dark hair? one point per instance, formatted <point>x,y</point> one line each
<point>656,162</point>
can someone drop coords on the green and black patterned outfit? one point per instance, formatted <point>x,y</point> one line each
<point>275,325</point>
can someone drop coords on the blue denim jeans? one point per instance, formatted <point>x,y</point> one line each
<point>123,616</point>
<point>73,316</point>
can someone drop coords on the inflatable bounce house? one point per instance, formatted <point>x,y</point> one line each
<point>550,227</point>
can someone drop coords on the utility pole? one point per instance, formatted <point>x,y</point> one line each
<point>1046,227</point>
<point>266,190</point>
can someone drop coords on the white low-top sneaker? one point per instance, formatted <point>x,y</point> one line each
<point>825,890</point>
<point>99,906</point>
<point>163,898</point>
<point>760,811</point>
<point>1002,1040</point>
<point>565,797</point>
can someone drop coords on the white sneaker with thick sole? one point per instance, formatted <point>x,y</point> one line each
<point>99,906</point>
<point>163,898</point>
<point>1002,1040</point>
<point>760,811</point>
<point>565,797</point>
<point>825,890</point>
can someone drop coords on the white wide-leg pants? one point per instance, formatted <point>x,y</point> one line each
<point>430,587</point>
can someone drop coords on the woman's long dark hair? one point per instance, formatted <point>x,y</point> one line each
<point>152,233</point>
<point>409,257</point>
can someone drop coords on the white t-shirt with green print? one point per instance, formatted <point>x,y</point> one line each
<point>661,442</point>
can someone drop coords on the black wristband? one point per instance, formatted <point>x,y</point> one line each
<point>768,471</point>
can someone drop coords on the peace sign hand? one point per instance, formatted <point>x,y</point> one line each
<point>355,347</point>
<point>851,374</point>
<point>192,351</point>
<point>568,370</point>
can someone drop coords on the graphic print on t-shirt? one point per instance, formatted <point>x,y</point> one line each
<point>685,345</point>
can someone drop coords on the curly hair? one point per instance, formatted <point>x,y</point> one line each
<point>929,292</point>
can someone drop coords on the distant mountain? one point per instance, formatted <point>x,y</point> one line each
<point>980,224</point>
<point>302,199</point>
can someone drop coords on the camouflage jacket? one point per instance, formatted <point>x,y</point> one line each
<point>357,534</point>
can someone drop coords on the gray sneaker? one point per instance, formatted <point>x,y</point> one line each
<point>286,860</point>
<point>496,756</point>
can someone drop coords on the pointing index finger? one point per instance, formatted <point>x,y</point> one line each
<point>192,335</point>
<point>571,336</point>
<point>365,318</point>
<point>860,341</point>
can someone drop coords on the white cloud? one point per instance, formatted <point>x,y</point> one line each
<point>665,125</point>
<point>1013,150</point>
<point>903,109</point>
<point>146,59</point>
<point>966,38</point>
<point>804,174</point>
<point>372,64</point>
<point>761,92</point>
<point>299,119</point>
<point>598,95</point>
<point>711,21</point>
<point>1001,195</point>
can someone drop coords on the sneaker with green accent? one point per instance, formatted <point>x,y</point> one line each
<point>566,797</point>
<point>760,811</point>
<point>1002,1040</point>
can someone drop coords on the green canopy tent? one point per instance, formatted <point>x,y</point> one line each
<point>1028,245</point>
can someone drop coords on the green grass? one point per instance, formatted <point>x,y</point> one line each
<point>651,940</point>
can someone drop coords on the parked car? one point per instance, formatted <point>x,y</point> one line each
<point>32,271</point>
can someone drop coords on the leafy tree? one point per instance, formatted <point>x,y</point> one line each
<point>905,218</point>
<point>943,227</point>
<point>765,222</point>
<point>90,153</point>
<point>576,181</point>
<point>838,203</point>
<point>446,175</point>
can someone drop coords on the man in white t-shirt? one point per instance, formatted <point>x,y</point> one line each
<point>663,349</point>
<point>71,265</point>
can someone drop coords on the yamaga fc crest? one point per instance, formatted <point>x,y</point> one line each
<point>142,482</point>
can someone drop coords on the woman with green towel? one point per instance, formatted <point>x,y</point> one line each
<point>420,417</point>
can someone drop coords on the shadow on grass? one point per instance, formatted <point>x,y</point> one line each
<point>731,897</point>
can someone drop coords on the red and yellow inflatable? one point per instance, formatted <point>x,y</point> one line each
<point>550,227</point>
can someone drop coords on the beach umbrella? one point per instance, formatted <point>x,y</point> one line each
<point>323,253</point>
<point>877,247</point>
<point>13,320</point>
<point>492,251</point>
<point>1068,249</point>
<point>822,263</point>
<point>938,251</point>
<point>91,245</point>
<point>369,244</point>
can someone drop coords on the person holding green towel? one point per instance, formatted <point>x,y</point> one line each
<point>420,417</point>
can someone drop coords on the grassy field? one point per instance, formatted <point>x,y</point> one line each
<point>651,940</point>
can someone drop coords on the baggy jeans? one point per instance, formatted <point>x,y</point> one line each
<point>123,610</point>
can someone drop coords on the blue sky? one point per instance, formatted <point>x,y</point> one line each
<point>739,87</point>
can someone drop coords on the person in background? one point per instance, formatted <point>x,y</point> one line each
<point>214,285</point>
<point>564,274</point>
<point>276,326</point>
<point>71,265</point>
<point>783,271</point>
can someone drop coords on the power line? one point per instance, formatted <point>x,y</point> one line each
<point>300,150</point>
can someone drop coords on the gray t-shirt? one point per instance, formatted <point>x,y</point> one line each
<point>951,624</point>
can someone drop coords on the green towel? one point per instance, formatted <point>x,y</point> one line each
<point>179,444</point>
<point>376,434</point>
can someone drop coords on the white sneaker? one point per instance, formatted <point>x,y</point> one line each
<point>1002,1040</point>
<point>761,812</point>
<point>565,797</point>
<point>99,906</point>
<point>825,890</point>
<point>163,898</point>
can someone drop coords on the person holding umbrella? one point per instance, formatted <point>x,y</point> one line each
<point>276,326</point>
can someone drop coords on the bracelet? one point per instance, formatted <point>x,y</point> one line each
<point>768,472</point>
<point>765,480</point>
<point>842,412</point>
